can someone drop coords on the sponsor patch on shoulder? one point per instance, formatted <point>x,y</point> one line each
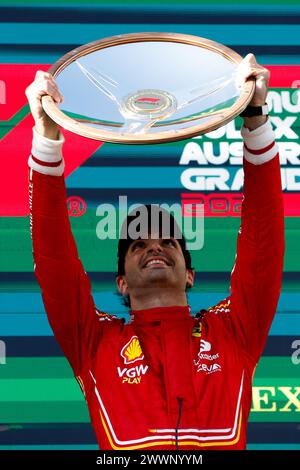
<point>104,316</point>
<point>221,307</point>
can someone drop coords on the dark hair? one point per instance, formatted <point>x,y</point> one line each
<point>158,221</point>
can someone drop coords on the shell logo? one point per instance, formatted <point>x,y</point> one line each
<point>132,351</point>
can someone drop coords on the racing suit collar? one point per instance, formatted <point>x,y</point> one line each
<point>160,314</point>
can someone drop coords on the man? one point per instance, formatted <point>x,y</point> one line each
<point>166,380</point>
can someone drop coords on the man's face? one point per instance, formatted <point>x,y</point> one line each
<point>152,264</point>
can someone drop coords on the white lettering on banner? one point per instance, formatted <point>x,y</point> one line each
<point>200,153</point>
<point>274,101</point>
<point>214,161</point>
<point>238,180</point>
<point>218,179</point>
<point>289,103</point>
<point>213,153</point>
<point>289,153</point>
<point>206,179</point>
<point>283,101</point>
<point>283,127</point>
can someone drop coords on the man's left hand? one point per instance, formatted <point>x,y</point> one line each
<point>250,68</point>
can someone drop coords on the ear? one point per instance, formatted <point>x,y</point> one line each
<point>122,285</point>
<point>190,277</point>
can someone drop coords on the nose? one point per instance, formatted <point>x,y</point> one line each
<point>154,245</point>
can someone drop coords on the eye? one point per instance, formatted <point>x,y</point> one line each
<point>169,242</point>
<point>138,244</point>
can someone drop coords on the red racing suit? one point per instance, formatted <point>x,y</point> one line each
<point>165,380</point>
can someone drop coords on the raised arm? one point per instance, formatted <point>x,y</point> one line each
<point>256,276</point>
<point>63,281</point>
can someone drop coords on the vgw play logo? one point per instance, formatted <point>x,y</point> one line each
<point>132,353</point>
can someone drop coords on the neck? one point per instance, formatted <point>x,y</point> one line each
<point>147,298</point>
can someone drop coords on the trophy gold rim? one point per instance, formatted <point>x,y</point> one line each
<point>78,127</point>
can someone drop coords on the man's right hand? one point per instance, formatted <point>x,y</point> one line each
<point>42,85</point>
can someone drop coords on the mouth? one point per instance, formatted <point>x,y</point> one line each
<point>156,263</point>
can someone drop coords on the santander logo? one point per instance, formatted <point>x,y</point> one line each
<point>205,361</point>
<point>204,346</point>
